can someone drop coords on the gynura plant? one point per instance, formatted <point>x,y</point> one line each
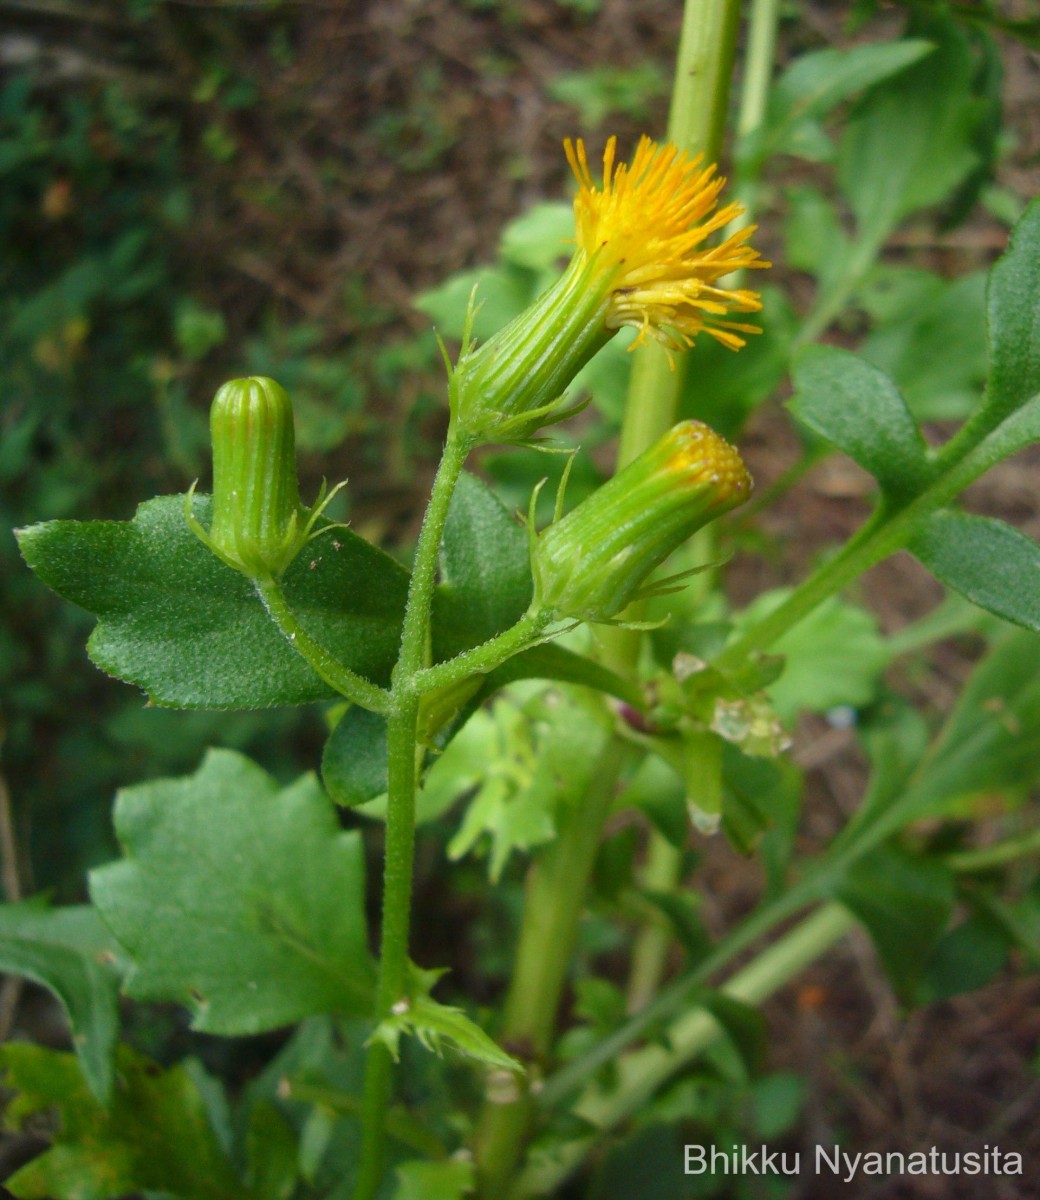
<point>245,901</point>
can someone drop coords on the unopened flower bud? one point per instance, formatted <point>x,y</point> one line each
<point>591,563</point>
<point>258,524</point>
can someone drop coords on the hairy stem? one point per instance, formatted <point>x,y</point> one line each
<point>485,657</point>
<point>402,724</point>
<point>348,683</point>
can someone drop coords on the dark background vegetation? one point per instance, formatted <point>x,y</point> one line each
<point>197,190</point>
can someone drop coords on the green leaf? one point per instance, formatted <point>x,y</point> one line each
<point>600,92</point>
<point>69,952</point>
<point>658,791</point>
<point>813,236</point>
<point>435,1024</point>
<point>966,958</point>
<point>930,338</point>
<point>550,661</point>
<point>991,740</point>
<point>761,803</point>
<point>239,899</point>
<point>190,631</point>
<point>540,238</point>
<point>859,409</point>
<point>909,142</point>
<point>353,763</point>
<point>485,567</point>
<point>1014,319</point>
<point>155,1137</point>
<point>989,562</point>
<point>777,1102</point>
<point>817,82</point>
<point>538,756</point>
<point>905,902</point>
<point>272,1153</point>
<point>449,1180</point>
<point>502,292</point>
<point>646,1165</point>
<point>744,1027</point>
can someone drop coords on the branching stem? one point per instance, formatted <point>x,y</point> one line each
<point>402,727</point>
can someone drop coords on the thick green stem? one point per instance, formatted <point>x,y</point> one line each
<point>334,673</point>
<point>642,1072</point>
<point>559,881</point>
<point>402,724</point>
<point>664,863</point>
<point>553,903</point>
<point>650,950</point>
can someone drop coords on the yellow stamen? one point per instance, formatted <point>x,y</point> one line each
<point>647,225</point>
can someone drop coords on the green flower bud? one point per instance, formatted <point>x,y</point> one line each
<point>258,525</point>
<point>591,563</point>
<point>506,389</point>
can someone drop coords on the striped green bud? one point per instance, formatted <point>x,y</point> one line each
<point>512,385</point>
<point>591,563</point>
<point>258,524</point>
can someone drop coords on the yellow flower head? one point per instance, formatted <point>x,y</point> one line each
<point>647,225</point>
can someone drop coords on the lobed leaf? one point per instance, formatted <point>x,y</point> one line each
<point>241,900</point>
<point>190,631</point>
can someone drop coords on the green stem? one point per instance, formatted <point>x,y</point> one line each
<point>558,884</point>
<point>758,65</point>
<point>887,530</point>
<point>334,673</point>
<point>1024,845</point>
<point>485,657</point>
<point>553,903</point>
<point>653,942</point>
<point>641,1073</point>
<point>677,994</point>
<point>664,863</point>
<point>402,725</point>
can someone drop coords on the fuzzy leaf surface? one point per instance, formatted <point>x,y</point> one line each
<point>485,568</point>
<point>241,900</point>
<point>1014,318</point>
<point>986,560</point>
<point>180,624</point>
<point>860,410</point>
